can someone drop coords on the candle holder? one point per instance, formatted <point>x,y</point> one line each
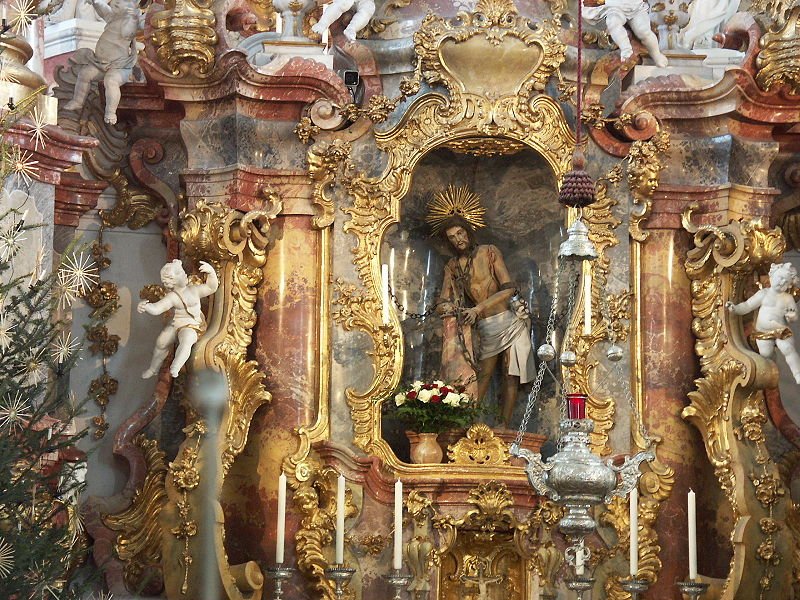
<point>398,582</point>
<point>635,586</point>
<point>280,574</point>
<point>340,575</point>
<point>693,589</point>
<point>580,584</point>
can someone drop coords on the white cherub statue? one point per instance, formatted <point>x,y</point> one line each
<point>705,19</point>
<point>776,309</point>
<point>113,58</point>
<point>336,8</point>
<point>618,12</point>
<point>188,322</point>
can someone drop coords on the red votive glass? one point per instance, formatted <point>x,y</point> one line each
<point>576,406</point>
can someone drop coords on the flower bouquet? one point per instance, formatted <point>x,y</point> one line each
<point>434,407</point>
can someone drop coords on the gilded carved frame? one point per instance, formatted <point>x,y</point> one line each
<point>467,117</point>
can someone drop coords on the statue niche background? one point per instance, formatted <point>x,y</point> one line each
<point>523,220</point>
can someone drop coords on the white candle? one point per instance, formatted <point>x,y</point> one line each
<point>587,298</point>
<point>340,521</point>
<point>385,292</point>
<point>398,525</point>
<point>692,536</point>
<point>278,23</point>
<point>579,560</point>
<point>281,530</point>
<point>634,519</point>
<point>49,433</point>
<point>3,14</point>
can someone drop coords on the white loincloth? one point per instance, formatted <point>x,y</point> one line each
<point>507,331</point>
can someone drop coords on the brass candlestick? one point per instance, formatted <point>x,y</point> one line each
<point>580,585</point>
<point>340,575</point>
<point>693,589</point>
<point>280,574</point>
<point>635,587</point>
<point>398,582</point>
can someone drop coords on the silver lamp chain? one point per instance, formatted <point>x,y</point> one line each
<point>573,285</point>
<point>533,395</point>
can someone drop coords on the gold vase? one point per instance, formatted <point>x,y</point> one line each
<point>425,447</point>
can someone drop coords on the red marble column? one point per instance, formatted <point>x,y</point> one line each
<point>286,346</point>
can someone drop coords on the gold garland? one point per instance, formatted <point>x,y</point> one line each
<point>103,298</point>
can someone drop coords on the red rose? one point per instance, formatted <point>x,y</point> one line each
<point>427,386</point>
<point>436,398</point>
<point>411,395</point>
<point>445,390</point>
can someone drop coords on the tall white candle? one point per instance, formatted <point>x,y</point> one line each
<point>385,292</point>
<point>281,529</point>
<point>692,516</point>
<point>587,298</point>
<point>398,525</point>
<point>3,14</point>
<point>340,521</point>
<point>579,560</point>
<point>634,520</point>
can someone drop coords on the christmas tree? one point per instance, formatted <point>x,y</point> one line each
<point>42,543</point>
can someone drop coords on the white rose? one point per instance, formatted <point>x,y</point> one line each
<point>451,399</point>
<point>400,399</point>
<point>424,395</point>
<point>465,399</point>
<point>438,383</point>
<point>417,385</point>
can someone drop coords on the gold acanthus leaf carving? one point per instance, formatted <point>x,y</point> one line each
<point>315,499</point>
<point>324,159</point>
<point>360,310</point>
<point>778,63</point>
<point>728,405</point>
<point>479,447</point>
<point>184,37</point>
<point>135,207</point>
<point>236,245</point>
<point>644,171</point>
<point>138,543</point>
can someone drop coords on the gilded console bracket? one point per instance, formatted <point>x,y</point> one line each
<point>236,244</point>
<point>184,37</point>
<point>728,405</point>
<point>138,543</point>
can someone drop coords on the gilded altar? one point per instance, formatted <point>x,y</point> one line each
<point>299,219</point>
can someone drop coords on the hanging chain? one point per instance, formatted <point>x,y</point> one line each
<point>573,285</point>
<point>533,395</point>
<point>412,315</point>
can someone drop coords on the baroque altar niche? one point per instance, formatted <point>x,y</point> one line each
<point>524,222</point>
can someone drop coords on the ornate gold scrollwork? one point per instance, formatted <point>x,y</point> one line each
<point>644,170</point>
<point>315,498</point>
<point>728,405</point>
<point>419,549</point>
<point>184,37</point>
<point>480,447</point>
<point>138,544</point>
<point>236,244</point>
<point>488,545</point>
<point>777,62</point>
